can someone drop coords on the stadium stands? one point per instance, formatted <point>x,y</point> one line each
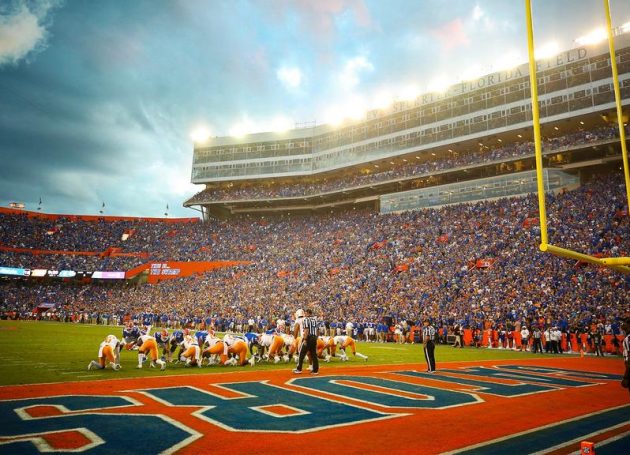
<point>423,166</point>
<point>475,264</point>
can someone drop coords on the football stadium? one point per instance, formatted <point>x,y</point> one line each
<point>449,273</point>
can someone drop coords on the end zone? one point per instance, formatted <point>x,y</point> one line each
<point>523,406</point>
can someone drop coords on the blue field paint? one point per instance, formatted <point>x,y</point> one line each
<point>541,439</point>
<point>115,433</point>
<point>615,446</point>
<point>504,390</point>
<point>436,398</point>
<point>520,376</point>
<point>247,413</point>
<point>590,375</point>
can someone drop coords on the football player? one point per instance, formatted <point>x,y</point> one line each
<point>108,353</point>
<point>253,341</point>
<point>176,340</point>
<point>161,339</point>
<point>201,336</point>
<point>344,341</point>
<point>192,353</point>
<point>236,346</point>
<point>215,348</point>
<point>148,345</point>
<point>130,334</point>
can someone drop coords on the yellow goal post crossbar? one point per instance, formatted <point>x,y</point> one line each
<point>617,263</point>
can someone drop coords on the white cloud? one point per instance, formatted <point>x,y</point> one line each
<point>291,77</point>
<point>349,76</point>
<point>23,31</point>
<point>477,13</point>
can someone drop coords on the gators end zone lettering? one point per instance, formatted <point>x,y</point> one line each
<point>486,408</point>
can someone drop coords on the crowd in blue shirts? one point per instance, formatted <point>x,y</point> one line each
<point>373,270</point>
<point>421,165</point>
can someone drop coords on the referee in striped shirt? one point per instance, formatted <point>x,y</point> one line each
<point>428,338</point>
<point>309,342</point>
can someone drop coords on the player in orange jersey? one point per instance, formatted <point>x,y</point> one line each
<point>148,345</point>
<point>192,352</point>
<point>214,350</point>
<point>275,350</point>
<point>344,342</point>
<point>282,345</point>
<point>236,346</point>
<point>108,353</point>
<point>325,347</point>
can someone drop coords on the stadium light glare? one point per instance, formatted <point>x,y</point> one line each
<point>625,28</point>
<point>334,117</point>
<point>473,73</point>
<point>200,134</point>
<point>547,50</point>
<point>439,85</point>
<point>281,124</point>
<point>382,100</point>
<point>409,93</point>
<point>508,61</point>
<point>355,108</point>
<point>238,130</point>
<point>596,36</point>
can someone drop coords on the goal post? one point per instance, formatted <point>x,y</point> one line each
<point>618,263</point>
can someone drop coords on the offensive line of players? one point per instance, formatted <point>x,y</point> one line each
<point>204,347</point>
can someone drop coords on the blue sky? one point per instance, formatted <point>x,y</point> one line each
<point>98,100</point>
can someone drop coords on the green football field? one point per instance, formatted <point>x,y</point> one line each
<point>40,352</point>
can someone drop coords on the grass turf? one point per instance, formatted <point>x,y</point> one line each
<point>41,352</point>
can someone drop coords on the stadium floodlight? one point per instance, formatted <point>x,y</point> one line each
<point>595,36</point>
<point>281,124</point>
<point>547,50</point>
<point>473,73</point>
<point>355,108</point>
<point>508,61</point>
<point>409,93</point>
<point>625,28</point>
<point>381,100</point>
<point>239,130</point>
<point>200,134</point>
<point>334,116</point>
<point>439,85</point>
<point>621,264</point>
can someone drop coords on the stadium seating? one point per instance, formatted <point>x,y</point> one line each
<point>476,264</point>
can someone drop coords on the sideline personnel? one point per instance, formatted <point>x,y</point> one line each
<point>309,342</point>
<point>428,338</point>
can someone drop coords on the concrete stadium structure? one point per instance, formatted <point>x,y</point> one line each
<point>409,155</point>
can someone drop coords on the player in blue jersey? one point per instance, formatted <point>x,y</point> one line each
<point>174,341</point>
<point>162,340</point>
<point>130,335</point>
<point>201,336</point>
<point>253,342</point>
<point>147,321</point>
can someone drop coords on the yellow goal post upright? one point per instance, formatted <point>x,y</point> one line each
<point>618,263</point>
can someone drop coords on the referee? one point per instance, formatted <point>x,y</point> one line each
<point>309,342</point>
<point>428,338</point>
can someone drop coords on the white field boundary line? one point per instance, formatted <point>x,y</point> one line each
<point>335,366</point>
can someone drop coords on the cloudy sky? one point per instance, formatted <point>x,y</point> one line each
<point>98,99</point>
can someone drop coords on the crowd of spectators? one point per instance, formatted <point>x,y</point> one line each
<point>357,266</point>
<point>424,165</point>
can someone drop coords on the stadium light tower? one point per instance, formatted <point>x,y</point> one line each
<point>618,263</point>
